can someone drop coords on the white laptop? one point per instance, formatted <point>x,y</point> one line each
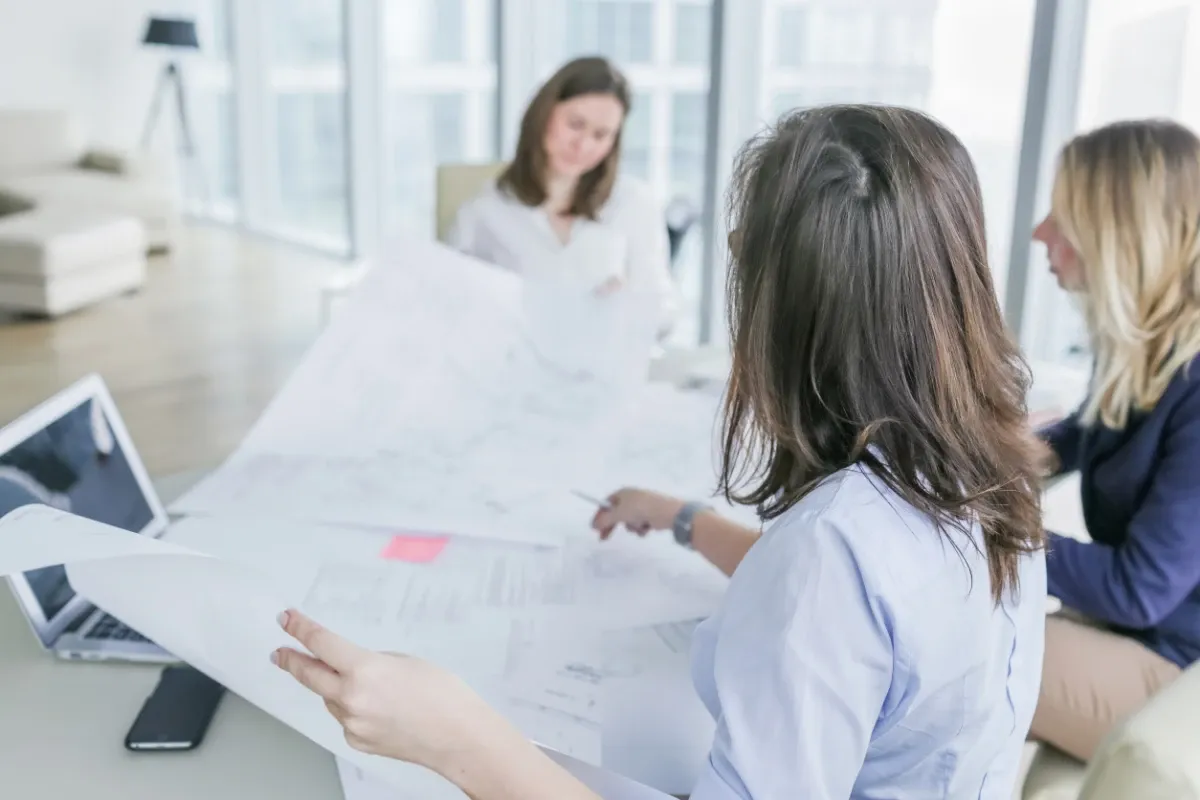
<point>73,452</point>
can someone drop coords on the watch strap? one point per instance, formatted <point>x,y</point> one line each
<point>682,526</point>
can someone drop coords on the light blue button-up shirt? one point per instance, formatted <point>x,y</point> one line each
<point>855,656</point>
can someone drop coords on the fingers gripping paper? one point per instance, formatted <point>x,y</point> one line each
<point>218,616</point>
<point>213,614</point>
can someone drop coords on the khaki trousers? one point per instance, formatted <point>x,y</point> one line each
<point>1092,679</point>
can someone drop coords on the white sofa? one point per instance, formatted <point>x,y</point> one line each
<point>75,223</point>
<point>54,260</point>
<point>46,161</point>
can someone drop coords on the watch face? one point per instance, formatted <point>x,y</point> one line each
<point>683,533</point>
<point>683,523</point>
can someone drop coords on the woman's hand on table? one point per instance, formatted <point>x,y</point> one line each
<point>639,510</point>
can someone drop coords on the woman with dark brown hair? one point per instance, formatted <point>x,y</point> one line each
<point>882,637</point>
<point>560,210</point>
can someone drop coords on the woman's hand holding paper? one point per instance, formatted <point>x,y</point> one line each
<point>388,704</point>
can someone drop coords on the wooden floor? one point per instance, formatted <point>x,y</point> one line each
<point>191,359</point>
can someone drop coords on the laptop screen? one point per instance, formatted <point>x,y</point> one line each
<point>74,461</point>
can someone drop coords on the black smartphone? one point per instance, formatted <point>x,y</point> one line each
<point>176,715</point>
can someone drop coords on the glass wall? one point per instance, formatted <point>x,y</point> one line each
<point>307,187</point>
<point>211,185</point>
<point>439,100</point>
<point>324,121</point>
<point>964,63</point>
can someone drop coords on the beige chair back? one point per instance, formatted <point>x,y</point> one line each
<point>458,183</point>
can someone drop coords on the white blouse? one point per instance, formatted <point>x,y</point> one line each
<point>628,240</point>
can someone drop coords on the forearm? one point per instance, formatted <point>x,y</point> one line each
<point>1101,582</point>
<point>1062,441</point>
<point>498,763</point>
<point>722,541</point>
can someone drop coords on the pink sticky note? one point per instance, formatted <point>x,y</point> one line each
<point>414,549</point>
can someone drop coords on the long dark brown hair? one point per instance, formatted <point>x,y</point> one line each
<point>525,177</point>
<point>865,329</point>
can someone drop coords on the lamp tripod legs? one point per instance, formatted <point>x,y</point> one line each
<point>172,77</point>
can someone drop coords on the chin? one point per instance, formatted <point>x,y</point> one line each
<point>571,170</point>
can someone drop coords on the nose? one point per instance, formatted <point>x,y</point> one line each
<point>1042,231</point>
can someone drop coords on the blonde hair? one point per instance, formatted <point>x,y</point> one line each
<point>1127,198</point>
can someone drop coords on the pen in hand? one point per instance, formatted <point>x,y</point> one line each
<point>601,504</point>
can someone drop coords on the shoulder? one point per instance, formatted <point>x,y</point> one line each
<point>489,208</point>
<point>1179,407</point>
<point>1185,384</point>
<point>870,547</point>
<point>853,516</point>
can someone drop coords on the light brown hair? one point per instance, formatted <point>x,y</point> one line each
<point>865,329</point>
<point>1127,198</point>
<point>525,177</point>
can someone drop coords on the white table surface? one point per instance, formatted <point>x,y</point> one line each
<point>63,725</point>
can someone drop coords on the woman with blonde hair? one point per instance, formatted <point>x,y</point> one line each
<point>1123,234</point>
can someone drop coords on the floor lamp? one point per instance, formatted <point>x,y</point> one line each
<point>174,34</point>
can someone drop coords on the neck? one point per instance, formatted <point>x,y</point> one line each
<point>560,190</point>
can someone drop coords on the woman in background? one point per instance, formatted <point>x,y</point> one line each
<point>1123,234</point>
<point>883,637</point>
<point>560,210</point>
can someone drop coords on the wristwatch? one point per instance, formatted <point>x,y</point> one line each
<point>682,527</point>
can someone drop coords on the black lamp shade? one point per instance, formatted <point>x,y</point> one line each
<point>171,32</point>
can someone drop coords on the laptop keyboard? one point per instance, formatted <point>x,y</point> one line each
<point>111,628</point>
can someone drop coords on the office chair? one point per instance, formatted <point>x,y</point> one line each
<point>681,216</point>
<point>456,184</point>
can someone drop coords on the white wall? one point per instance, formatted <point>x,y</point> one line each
<point>85,56</point>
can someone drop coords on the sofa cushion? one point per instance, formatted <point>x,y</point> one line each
<point>12,203</point>
<point>1155,755</point>
<point>1053,775</point>
<point>148,201</point>
<point>65,293</point>
<point>53,240</point>
<point>35,140</point>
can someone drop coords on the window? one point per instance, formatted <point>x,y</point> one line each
<point>276,118</point>
<point>844,36</point>
<point>622,30</point>
<point>966,63</point>
<point>692,32</point>
<point>211,183</point>
<point>448,25</point>
<point>440,81</point>
<point>791,36</point>
<point>305,32</point>
<point>307,185</point>
<point>903,42</point>
<point>688,116</point>
<point>311,181</point>
<point>637,150</point>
